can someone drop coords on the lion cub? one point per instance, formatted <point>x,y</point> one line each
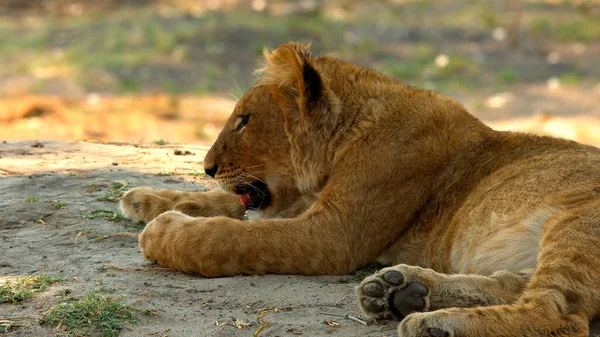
<point>492,233</point>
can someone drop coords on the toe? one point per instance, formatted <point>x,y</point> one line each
<point>393,277</point>
<point>374,289</point>
<point>373,305</point>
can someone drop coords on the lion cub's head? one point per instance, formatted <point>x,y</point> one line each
<point>281,140</point>
<point>251,156</point>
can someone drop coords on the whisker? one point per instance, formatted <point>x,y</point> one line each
<point>253,173</point>
<point>258,191</point>
<point>255,177</point>
<point>255,166</point>
<point>248,174</point>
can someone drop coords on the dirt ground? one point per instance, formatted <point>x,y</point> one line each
<point>37,237</point>
<point>94,254</point>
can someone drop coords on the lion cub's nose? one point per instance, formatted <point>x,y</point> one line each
<point>211,171</point>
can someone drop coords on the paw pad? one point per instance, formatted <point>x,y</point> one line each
<point>391,293</point>
<point>393,277</point>
<point>410,299</point>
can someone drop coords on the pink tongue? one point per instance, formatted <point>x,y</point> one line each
<point>244,199</point>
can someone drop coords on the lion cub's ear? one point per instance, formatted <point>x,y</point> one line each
<point>295,82</point>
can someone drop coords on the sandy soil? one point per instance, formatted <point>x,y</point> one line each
<point>37,237</point>
<point>66,243</point>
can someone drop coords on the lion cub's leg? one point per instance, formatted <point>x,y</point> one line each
<point>144,203</point>
<point>401,290</point>
<point>561,298</point>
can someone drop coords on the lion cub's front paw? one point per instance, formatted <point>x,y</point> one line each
<point>429,324</point>
<point>161,237</point>
<point>140,204</point>
<point>394,292</point>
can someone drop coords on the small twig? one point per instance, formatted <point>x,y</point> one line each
<point>160,333</point>
<point>79,234</point>
<point>128,234</point>
<point>354,318</point>
<point>22,318</point>
<point>265,311</point>
<point>358,320</point>
<point>17,321</point>
<point>136,268</point>
<point>261,328</point>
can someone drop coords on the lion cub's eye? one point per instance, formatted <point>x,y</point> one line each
<point>241,121</point>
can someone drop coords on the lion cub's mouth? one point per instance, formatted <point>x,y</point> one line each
<point>254,196</point>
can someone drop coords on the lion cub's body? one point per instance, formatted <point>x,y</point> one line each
<point>499,224</point>
<point>358,167</point>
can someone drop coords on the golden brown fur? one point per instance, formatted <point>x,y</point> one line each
<point>494,233</point>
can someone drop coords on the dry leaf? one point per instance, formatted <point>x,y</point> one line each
<point>331,323</point>
<point>241,324</point>
<point>293,331</point>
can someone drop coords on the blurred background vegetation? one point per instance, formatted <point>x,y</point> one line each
<point>167,70</point>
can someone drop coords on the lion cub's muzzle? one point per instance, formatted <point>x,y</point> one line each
<point>254,196</point>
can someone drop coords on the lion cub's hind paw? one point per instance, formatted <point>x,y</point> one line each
<point>389,294</point>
